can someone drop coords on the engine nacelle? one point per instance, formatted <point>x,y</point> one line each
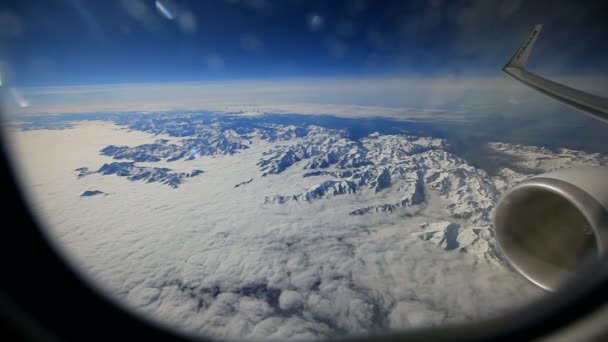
<point>550,224</point>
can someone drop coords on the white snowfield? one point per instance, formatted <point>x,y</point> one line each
<point>392,232</point>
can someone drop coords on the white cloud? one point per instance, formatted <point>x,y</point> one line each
<point>290,300</point>
<point>447,98</point>
<point>210,259</point>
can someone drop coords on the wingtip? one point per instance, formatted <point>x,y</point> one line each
<point>520,57</point>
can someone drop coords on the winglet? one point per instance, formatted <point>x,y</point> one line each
<point>520,58</point>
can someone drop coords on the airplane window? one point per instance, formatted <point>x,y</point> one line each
<point>288,170</point>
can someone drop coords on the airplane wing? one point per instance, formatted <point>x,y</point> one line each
<point>594,105</point>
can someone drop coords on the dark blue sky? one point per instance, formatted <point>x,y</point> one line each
<point>71,42</point>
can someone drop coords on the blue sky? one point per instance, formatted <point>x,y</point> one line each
<point>71,42</point>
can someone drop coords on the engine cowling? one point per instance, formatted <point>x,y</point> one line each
<point>549,225</point>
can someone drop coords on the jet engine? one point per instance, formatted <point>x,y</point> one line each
<point>551,224</point>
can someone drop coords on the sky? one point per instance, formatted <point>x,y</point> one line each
<point>71,42</point>
<point>397,59</point>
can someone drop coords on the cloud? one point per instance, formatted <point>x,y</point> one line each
<point>211,259</point>
<point>440,98</point>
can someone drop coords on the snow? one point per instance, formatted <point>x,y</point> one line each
<point>213,259</point>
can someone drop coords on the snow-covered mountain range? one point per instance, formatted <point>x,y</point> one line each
<point>281,226</point>
<point>399,173</point>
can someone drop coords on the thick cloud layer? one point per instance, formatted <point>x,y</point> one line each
<point>213,259</point>
<point>445,97</point>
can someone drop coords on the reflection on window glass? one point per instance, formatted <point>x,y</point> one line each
<point>292,170</point>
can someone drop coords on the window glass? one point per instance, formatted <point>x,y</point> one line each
<point>293,169</point>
